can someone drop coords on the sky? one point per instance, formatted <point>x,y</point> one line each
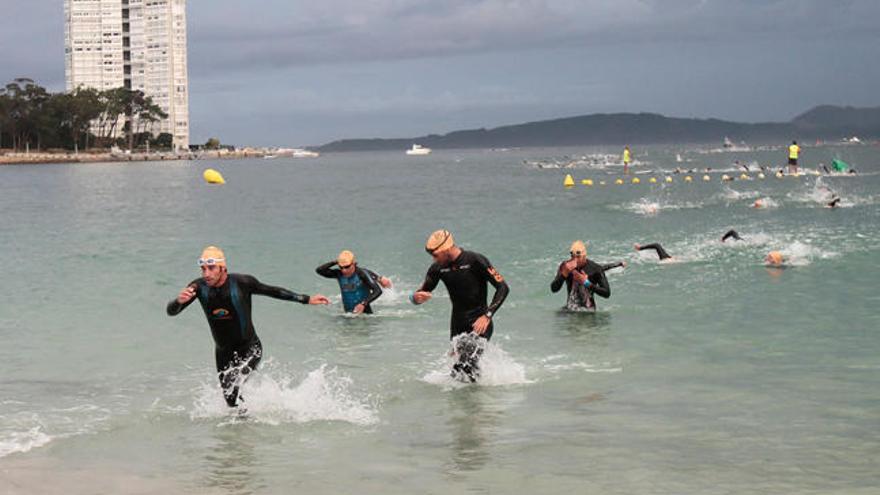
<point>297,72</point>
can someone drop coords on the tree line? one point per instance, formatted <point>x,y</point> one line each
<point>33,118</point>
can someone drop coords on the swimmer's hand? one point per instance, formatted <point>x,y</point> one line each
<point>421,297</point>
<point>481,325</point>
<point>385,282</point>
<point>186,295</point>
<point>579,277</point>
<point>567,267</point>
<point>637,246</point>
<point>318,299</point>
<point>358,309</point>
<point>623,264</point>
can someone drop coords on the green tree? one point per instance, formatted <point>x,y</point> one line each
<point>212,144</point>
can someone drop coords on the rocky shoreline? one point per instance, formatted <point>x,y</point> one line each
<point>35,158</point>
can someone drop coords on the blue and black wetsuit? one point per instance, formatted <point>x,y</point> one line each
<point>360,288</point>
<point>237,349</point>
<point>580,297</point>
<point>466,280</point>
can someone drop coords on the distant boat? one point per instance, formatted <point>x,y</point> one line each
<point>301,153</point>
<point>269,157</point>
<point>678,158</point>
<point>418,150</point>
<point>727,143</point>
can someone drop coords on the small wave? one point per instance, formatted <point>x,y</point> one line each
<point>765,203</point>
<point>497,368</point>
<point>729,194</point>
<point>23,441</point>
<point>272,397</point>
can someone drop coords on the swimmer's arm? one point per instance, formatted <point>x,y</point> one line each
<point>257,287</point>
<point>375,290</point>
<point>557,282</point>
<point>325,270</point>
<point>432,278</point>
<point>599,285</point>
<point>611,266</point>
<point>661,253</point>
<point>174,308</point>
<point>497,281</point>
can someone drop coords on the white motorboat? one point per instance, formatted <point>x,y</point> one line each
<point>418,150</point>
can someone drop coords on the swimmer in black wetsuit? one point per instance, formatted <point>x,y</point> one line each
<point>583,277</point>
<point>731,233</point>
<point>358,285</point>
<point>465,275</point>
<point>656,247</point>
<point>226,300</point>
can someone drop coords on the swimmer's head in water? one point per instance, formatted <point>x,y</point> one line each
<point>578,249</point>
<point>345,259</point>
<point>774,258</point>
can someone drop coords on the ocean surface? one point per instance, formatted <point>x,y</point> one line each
<point>711,374</point>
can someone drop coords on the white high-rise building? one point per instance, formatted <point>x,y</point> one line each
<point>137,44</point>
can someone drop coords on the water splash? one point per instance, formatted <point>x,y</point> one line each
<point>497,368</point>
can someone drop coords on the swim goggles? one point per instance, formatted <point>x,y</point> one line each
<point>210,261</point>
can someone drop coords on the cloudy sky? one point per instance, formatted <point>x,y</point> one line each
<point>297,72</point>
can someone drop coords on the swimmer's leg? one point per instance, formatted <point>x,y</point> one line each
<point>236,370</point>
<point>469,349</point>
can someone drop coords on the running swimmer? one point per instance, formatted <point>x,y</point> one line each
<point>731,234</point>
<point>661,253</point>
<point>358,285</point>
<point>226,300</point>
<point>465,275</point>
<point>583,278</point>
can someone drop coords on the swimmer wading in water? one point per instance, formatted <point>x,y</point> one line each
<point>226,299</point>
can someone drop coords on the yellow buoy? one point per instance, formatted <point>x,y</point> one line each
<point>779,175</point>
<point>618,181</point>
<point>587,182</point>
<point>725,177</point>
<point>569,181</point>
<point>669,179</point>
<point>652,180</point>
<point>213,177</point>
<point>707,178</point>
<point>744,176</point>
<point>688,178</point>
<point>760,175</point>
<point>636,180</point>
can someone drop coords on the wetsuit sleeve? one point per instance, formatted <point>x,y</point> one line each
<point>599,284</point>
<point>374,288</point>
<point>256,287</point>
<point>661,253</point>
<point>373,275</point>
<point>174,308</point>
<point>558,281</point>
<point>497,281</point>
<point>326,271</point>
<point>611,266</point>
<point>432,278</point>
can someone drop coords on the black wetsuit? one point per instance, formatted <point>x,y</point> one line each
<point>656,247</point>
<point>611,266</point>
<point>580,297</point>
<point>465,280</point>
<point>360,288</point>
<point>237,349</point>
<point>731,233</point>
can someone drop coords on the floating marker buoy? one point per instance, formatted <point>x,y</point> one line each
<point>688,178</point>
<point>601,182</point>
<point>636,180</point>
<point>779,175</point>
<point>669,179</point>
<point>760,175</point>
<point>725,177</point>
<point>213,177</point>
<point>588,182</point>
<point>568,182</point>
<point>744,177</point>
<point>652,180</point>
<point>707,178</point>
<point>618,181</point>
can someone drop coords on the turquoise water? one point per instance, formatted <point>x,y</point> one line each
<point>711,374</point>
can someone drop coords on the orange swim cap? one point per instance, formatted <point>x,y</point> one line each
<point>774,258</point>
<point>345,259</point>
<point>438,241</point>
<point>212,255</point>
<point>578,248</point>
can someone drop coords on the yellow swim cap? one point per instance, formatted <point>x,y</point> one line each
<point>578,248</point>
<point>438,241</point>
<point>212,255</point>
<point>345,259</point>
<point>774,257</point>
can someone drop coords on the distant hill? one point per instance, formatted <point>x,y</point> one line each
<point>822,122</point>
